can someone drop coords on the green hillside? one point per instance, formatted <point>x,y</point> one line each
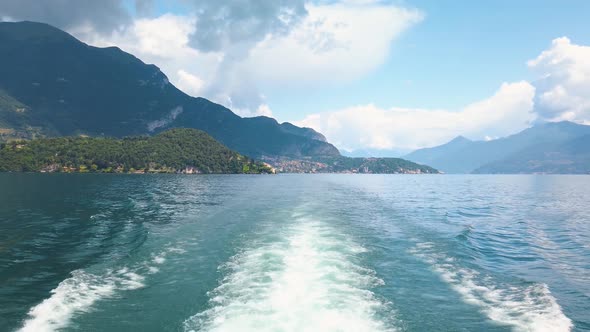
<point>350,165</point>
<point>172,151</point>
<point>63,87</point>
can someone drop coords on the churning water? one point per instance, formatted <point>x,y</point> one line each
<point>294,253</point>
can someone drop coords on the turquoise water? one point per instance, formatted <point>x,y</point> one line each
<point>84,252</point>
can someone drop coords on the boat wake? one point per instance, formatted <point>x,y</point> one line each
<point>82,290</point>
<point>525,308</point>
<point>305,279</point>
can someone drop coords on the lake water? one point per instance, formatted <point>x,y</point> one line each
<point>85,252</point>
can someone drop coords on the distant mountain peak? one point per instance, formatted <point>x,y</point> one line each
<point>303,131</point>
<point>564,124</point>
<point>459,139</point>
<point>552,147</point>
<point>33,32</point>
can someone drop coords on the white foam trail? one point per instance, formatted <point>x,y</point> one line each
<point>176,250</point>
<point>531,309</point>
<point>307,281</point>
<point>159,259</point>
<point>77,294</point>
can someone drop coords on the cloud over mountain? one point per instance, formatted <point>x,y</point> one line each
<point>223,49</point>
<point>508,111</point>
<point>230,51</point>
<point>558,92</point>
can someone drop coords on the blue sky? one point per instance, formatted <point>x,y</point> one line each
<point>461,52</point>
<point>371,75</point>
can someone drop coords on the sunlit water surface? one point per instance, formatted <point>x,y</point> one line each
<point>294,253</point>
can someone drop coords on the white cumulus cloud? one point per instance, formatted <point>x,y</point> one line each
<point>189,83</point>
<point>335,42</point>
<point>563,87</point>
<point>262,110</point>
<point>338,41</point>
<point>508,111</point>
<point>164,41</point>
<point>560,92</point>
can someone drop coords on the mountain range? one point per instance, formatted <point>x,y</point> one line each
<point>52,84</point>
<point>554,147</point>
